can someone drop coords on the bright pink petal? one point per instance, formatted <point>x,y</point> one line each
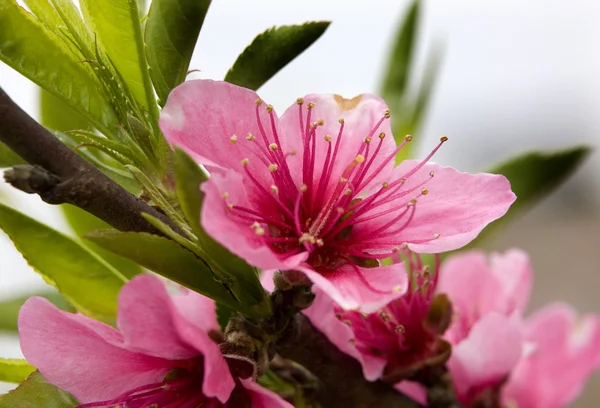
<point>151,323</point>
<point>457,207</point>
<point>513,270</point>
<point>234,233</point>
<point>363,116</point>
<point>347,287</point>
<point>197,309</point>
<point>413,390</point>
<point>263,398</point>
<point>146,320</point>
<point>76,358</point>
<point>489,353</point>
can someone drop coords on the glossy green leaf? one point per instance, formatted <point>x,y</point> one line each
<point>533,176</point>
<point>166,258</point>
<point>40,55</point>
<point>172,30</point>
<point>396,78</point>
<point>224,313</point>
<point>83,222</point>
<point>9,308</point>
<point>8,158</point>
<point>14,370</point>
<point>189,176</point>
<point>90,284</point>
<point>57,115</point>
<point>116,24</point>
<point>271,51</point>
<point>36,392</point>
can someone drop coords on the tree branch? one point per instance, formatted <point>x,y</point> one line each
<point>341,377</point>
<point>60,175</point>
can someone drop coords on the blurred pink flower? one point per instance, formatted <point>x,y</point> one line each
<point>162,353</point>
<point>317,191</point>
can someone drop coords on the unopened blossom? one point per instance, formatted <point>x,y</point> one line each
<point>316,190</point>
<point>162,354</point>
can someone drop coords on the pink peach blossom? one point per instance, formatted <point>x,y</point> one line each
<point>162,353</point>
<point>316,190</point>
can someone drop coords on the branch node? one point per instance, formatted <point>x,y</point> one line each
<point>31,179</point>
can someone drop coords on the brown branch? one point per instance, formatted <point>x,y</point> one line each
<point>341,378</point>
<point>61,176</point>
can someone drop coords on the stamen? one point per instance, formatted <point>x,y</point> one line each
<point>273,167</point>
<point>250,137</point>
<point>233,139</point>
<point>273,147</point>
<point>269,108</point>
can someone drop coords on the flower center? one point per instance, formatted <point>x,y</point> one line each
<point>318,214</point>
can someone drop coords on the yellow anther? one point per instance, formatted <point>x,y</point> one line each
<point>327,138</point>
<point>359,158</point>
<point>343,180</point>
<point>339,315</point>
<point>300,101</point>
<point>385,184</point>
<point>352,341</point>
<point>431,173</point>
<point>250,137</point>
<point>310,105</point>
<point>436,236</point>
<point>273,147</point>
<point>269,108</point>
<point>340,210</point>
<point>384,316</point>
<point>320,242</point>
<point>230,206</point>
<point>306,237</point>
<point>347,192</point>
<point>225,195</point>
<point>258,102</point>
<point>233,139</point>
<point>408,138</point>
<point>303,187</point>
<point>387,114</point>
<point>320,122</point>
<point>255,224</point>
<point>275,189</point>
<point>273,167</point>
<point>347,322</point>
<point>341,120</point>
<point>399,329</point>
<point>293,153</point>
<point>312,126</point>
<point>245,162</point>
<point>412,202</point>
<point>260,231</point>
<point>367,139</point>
<point>444,139</point>
<point>382,135</point>
<point>403,180</point>
<point>424,191</point>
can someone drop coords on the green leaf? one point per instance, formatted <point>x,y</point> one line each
<point>166,258</point>
<point>14,370</point>
<point>397,76</point>
<point>9,308</point>
<point>533,176</point>
<point>172,30</point>
<point>40,55</point>
<point>224,313</point>
<point>57,115</point>
<point>271,51</point>
<point>117,26</point>
<point>188,177</point>
<point>8,158</point>
<point>86,281</point>
<point>83,222</point>
<point>36,392</point>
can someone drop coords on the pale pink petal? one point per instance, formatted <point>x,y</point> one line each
<point>363,117</point>
<point>151,323</point>
<point>514,272</point>
<point>76,358</point>
<point>146,321</point>
<point>489,353</point>
<point>238,235</point>
<point>457,207</point>
<point>201,116</point>
<point>413,390</point>
<point>262,397</point>
<point>346,287</point>
<point>197,309</point>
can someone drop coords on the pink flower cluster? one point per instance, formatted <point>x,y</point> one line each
<point>541,361</point>
<point>164,353</point>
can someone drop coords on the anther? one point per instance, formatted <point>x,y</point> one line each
<point>327,138</point>
<point>320,122</point>
<point>404,245</point>
<point>424,191</point>
<point>225,195</point>
<point>347,192</point>
<point>258,229</point>
<point>408,138</point>
<point>341,120</point>
<point>412,202</point>
<point>403,180</point>
<point>359,158</point>
<point>269,108</point>
<point>293,153</point>
<point>399,329</point>
<point>310,105</point>
<point>443,139</point>
<point>385,184</point>
<point>431,173</point>
<point>303,187</point>
<point>273,147</point>
<point>384,316</point>
<point>233,139</point>
<point>343,180</point>
<point>367,139</point>
<point>340,210</point>
<point>347,322</point>
<point>306,237</point>
<point>250,137</point>
<point>275,189</point>
<point>273,167</point>
<point>352,341</point>
<point>258,102</point>
<point>436,236</point>
<point>300,101</point>
<point>320,242</point>
<point>397,289</point>
<point>387,114</point>
<point>245,162</point>
<point>382,135</point>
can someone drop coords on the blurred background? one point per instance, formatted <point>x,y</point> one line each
<point>515,76</point>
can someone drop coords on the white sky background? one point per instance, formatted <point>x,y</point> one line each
<point>517,75</point>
